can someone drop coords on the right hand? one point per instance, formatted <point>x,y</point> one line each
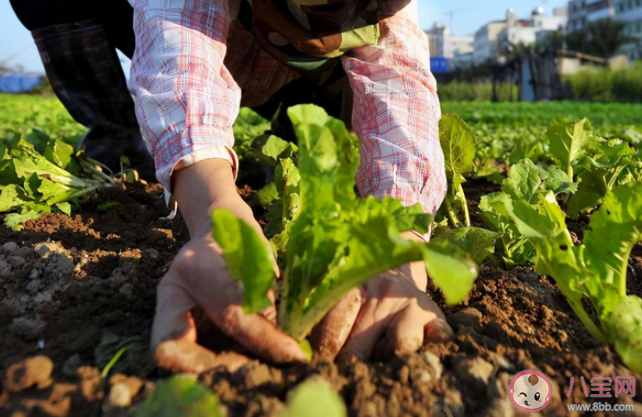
<point>198,281</point>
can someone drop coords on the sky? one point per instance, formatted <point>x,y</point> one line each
<point>17,47</point>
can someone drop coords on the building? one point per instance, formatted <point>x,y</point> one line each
<point>444,44</point>
<point>528,31</point>
<point>630,12</point>
<point>583,12</point>
<point>485,44</point>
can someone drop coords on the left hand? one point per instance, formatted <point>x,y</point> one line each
<point>390,315</point>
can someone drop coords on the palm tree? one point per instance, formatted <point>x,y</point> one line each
<point>602,38</point>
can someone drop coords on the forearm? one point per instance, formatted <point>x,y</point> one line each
<point>396,115</point>
<point>203,187</point>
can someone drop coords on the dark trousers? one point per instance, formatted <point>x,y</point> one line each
<point>116,16</point>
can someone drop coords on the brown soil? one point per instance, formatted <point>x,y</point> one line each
<point>75,289</point>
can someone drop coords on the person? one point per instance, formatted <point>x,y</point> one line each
<point>194,63</point>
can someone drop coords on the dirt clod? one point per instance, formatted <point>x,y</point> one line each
<point>35,371</point>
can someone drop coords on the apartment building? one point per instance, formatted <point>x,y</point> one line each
<point>444,44</point>
<point>486,42</point>
<point>583,12</point>
<point>630,12</point>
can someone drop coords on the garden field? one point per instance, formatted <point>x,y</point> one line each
<point>536,262</point>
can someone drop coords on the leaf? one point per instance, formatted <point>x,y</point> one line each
<point>528,181</point>
<point>590,193</point>
<point>624,326</point>
<point>247,258</point>
<point>314,398</point>
<point>12,197</point>
<point>612,232</point>
<point>62,154</point>
<point>180,396</point>
<point>568,142</point>
<point>16,221</point>
<point>458,143</point>
<point>134,357</point>
<point>276,148</point>
<point>475,241</point>
<point>64,208</point>
<point>38,139</point>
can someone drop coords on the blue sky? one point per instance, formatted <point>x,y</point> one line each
<point>17,46</point>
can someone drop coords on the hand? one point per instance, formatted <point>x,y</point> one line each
<point>390,315</point>
<point>198,282</point>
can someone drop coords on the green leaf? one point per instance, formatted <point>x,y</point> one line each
<point>458,143</point>
<point>268,195</point>
<point>477,242</point>
<point>180,396</point>
<point>12,197</point>
<point>247,258</point>
<point>568,143</point>
<point>613,231</point>
<point>64,208</point>
<point>528,181</point>
<point>38,139</point>
<point>276,148</point>
<point>314,398</point>
<point>15,221</point>
<point>624,325</point>
<point>62,154</point>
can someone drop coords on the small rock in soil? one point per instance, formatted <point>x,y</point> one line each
<point>470,317</point>
<point>46,248</point>
<point>28,328</point>
<point>123,390</point>
<point>434,362</point>
<point>27,373</point>
<point>10,246</point>
<point>151,253</point>
<point>71,365</point>
<point>451,404</point>
<point>90,383</point>
<point>475,372</point>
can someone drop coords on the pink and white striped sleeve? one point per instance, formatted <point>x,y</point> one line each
<point>396,114</point>
<point>186,100</point>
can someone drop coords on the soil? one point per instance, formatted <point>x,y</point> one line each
<point>74,290</point>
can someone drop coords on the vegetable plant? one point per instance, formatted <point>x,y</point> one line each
<point>41,175</point>
<point>335,240</point>
<point>458,144</point>
<point>595,270</point>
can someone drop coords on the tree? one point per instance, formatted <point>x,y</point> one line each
<point>602,38</point>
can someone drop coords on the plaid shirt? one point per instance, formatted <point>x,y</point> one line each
<point>194,66</point>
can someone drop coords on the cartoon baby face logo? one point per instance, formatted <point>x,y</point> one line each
<point>530,391</point>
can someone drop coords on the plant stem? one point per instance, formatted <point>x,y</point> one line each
<point>451,213</point>
<point>462,196</point>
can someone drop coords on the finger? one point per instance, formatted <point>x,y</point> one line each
<point>418,323</point>
<point>370,326</point>
<point>329,336</point>
<point>173,319</point>
<point>186,356</point>
<point>259,336</point>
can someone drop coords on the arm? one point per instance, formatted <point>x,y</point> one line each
<point>186,103</point>
<point>395,114</point>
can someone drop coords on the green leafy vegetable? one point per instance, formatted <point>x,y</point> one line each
<point>314,398</point>
<point>568,143</point>
<point>36,179</point>
<point>597,269</point>
<point>334,240</point>
<point>180,396</point>
<point>458,143</point>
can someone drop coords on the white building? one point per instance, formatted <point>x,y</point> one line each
<point>630,12</point>
<point>444,44</point>
<point>485,45</point>
<point>583,12</point>
<point>527,31</point>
